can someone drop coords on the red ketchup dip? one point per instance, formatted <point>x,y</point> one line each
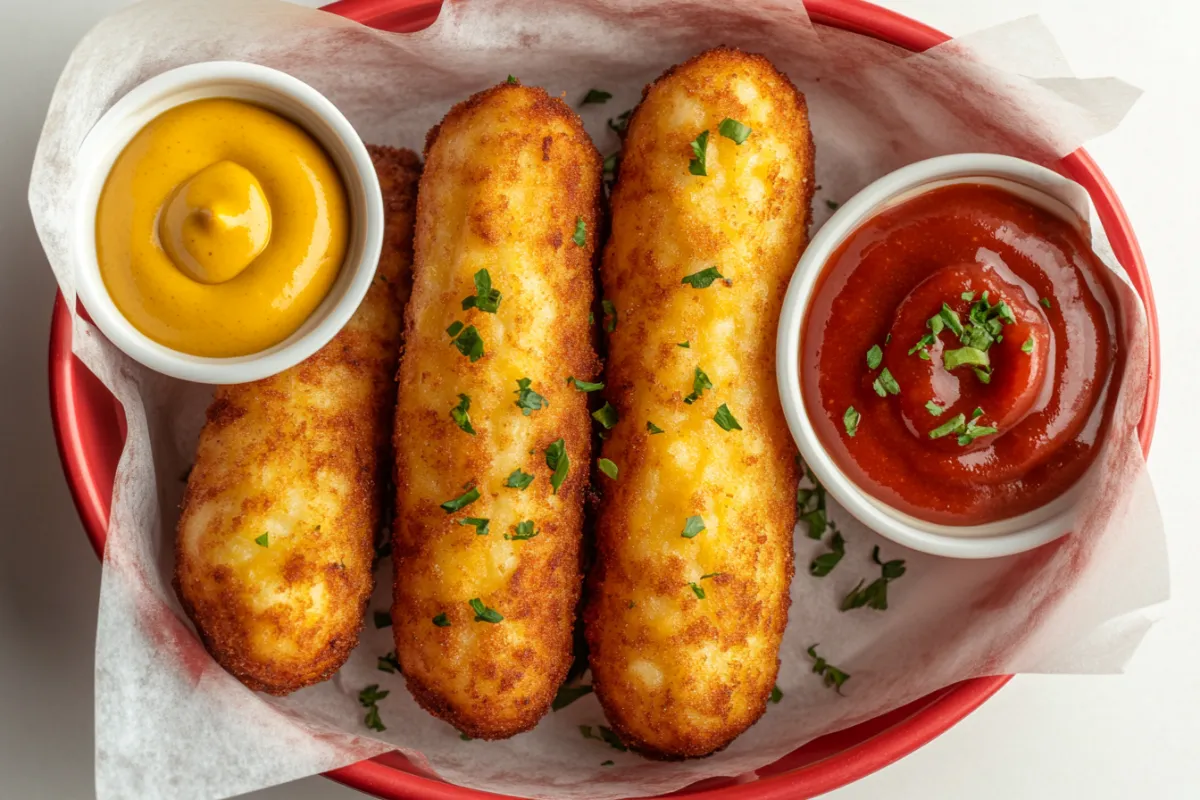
<point>957,356</point>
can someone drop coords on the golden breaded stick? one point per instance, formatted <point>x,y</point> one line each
<point>506,225</point>
<point>689,595</point>
<point>274,547</point>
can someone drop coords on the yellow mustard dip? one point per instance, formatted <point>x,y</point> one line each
<point>220,228</point>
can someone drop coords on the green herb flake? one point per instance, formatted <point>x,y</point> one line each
<point>480,524</point>
<point>383,619</point>
<point>263,541</point>
<point>885,384</point>
<point>697,590</point>
<point>585,386</point>
<point>557,460</point>
<point>369,699</point>
<point>874,357</point>
<point>983,375</point>
<point>610,315</point>
<point>620,123</point>
<point>969,356</point>
<point>703,279</point>
<point>1045,301</point>
<point>607,467</point>
<point>441,620</point>
<point>597,96</point>
<point>776,695</point>
<point>834,677</point>
<point>462,501</point>
<point>580,235</point>
<point>468,341</point>
<point>527,399</point>
<point>724,417</point>
<point>934,409</point>
<point>485,298</point>
<point>610,163</point>
<point>388,663</point>
<point>511,79</point>
<point>454,328</point>
<point>684,345</point>
<point>483,613</point>
<point>606,415</point>
<point>569,694</point>
<point>734,130</point>
<point>922,343</point>
<point>968,296</point>
<point>518,480</point>
<point>464,737</point>
<point>692,527</point>
<point>851,419</point>
<point>954,425</point>
<point>823,564</point>
<point>832,205</point>
<point>700,382</point>
<point>522,531</point>
<point>875,594</point>
<point>654,429</point>
<point>1027,347</point>
<point>699,163</point>
<point>460,416</point>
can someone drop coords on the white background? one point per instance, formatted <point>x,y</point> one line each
<point>1136,735</point>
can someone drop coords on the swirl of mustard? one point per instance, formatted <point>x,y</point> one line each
<point>220,228</point>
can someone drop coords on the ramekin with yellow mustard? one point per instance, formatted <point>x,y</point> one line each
<point>231,224</point>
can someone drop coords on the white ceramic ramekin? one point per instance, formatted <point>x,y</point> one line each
<point>1038,185</point>
<point>289,97</point>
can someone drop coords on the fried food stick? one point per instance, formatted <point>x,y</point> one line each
<point>274,547</point>
<point>492,443</point>
<point>689,594</point>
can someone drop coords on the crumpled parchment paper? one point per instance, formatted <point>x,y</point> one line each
<point>172,724</point>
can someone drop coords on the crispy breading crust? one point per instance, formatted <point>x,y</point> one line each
<point>301,456</point>
<point>681,675</point>
<point>508,173</point>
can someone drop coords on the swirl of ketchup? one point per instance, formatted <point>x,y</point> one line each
<point>958,355</point>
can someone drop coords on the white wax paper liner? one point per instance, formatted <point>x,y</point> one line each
<point>171,724</point>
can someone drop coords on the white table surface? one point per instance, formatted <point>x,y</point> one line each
<point>1136,735</point>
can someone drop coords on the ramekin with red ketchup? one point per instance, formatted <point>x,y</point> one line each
<point>947,351</point>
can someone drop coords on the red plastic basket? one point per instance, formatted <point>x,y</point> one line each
<point>89,426</point>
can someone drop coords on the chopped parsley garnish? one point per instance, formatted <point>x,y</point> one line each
<point>518,479</point>
<point>810,507</point>
<point>611,162</point>
<point>699,592</point>
<point>703,279</point>
<point>851,419</point>
<point>1028,346</point>
<point>580,235</point>
<point>732,129</point>
<point>606,736</point>
<point>610,315</point>
<point>462,501</point>
<point>467,340</point>
<point>875,594</point>
<point>832,205</point>
<point>692,527</point>
<point>479,523</point>
<point>922,343</point>
<point>585,386</point>
<point>620,123</point>
<point>982,329</point>
<point>483,613</point>
<point>650,426</point>
<point>383,619</point>
<point>684,345</point>
<point>606,415</point>
<point>885,384</point>
<point>569,694</point>
<point>596,96</point>
<point>1045,301</point>
<point>557,460</point>
<point>607,467</point>
<point>953,425</point>
<point>369,699</point>
<point>524,530</point>
<point>460,416</point>
<point>874,357</point>
<point>968,296</point>
<point>823,564</point>
<point>441,620</point>
<point>834,677</point>
<point>965,355</point>
<point>263,541</point>
<point>934,409</point>
<point>511,79</point>
<point>724,417</point>
<point>699,163</point>
<point>966,430</point>
<point>527,399</point>
<point>388,663</point>
<point>485,298</point>
<point>776,694</point>
<point>700,382</point>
